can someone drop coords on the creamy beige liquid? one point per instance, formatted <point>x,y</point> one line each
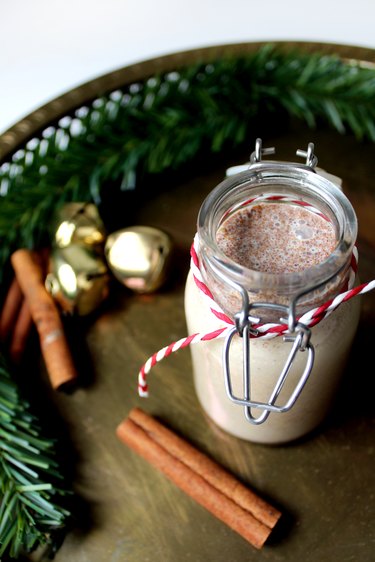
<point>274,238</point>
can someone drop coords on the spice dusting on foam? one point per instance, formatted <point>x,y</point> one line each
<point>276,238</point>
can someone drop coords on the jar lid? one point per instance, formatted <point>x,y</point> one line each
<point>283,182</point>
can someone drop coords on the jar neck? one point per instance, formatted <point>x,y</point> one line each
<point>277,184</point>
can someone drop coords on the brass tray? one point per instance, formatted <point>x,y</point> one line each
<point>324,485</point>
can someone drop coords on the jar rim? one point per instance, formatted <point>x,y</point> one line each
<point>268,178</point>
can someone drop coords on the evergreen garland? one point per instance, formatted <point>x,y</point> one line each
<point>30,511</point>
<point>161,124</point>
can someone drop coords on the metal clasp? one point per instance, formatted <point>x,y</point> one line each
<point>298,334</point>
<point>256,155</point>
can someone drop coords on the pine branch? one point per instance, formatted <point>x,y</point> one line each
<point>30,510</point>
<point>324,87</point>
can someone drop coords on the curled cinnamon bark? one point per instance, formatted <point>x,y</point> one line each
<point>200,477</point>
<point>10,310</point>
<point>46,317</point>
<point>20,333</point>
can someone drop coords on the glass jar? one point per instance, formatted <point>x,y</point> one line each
<point>255,387</point>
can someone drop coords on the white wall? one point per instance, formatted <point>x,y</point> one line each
<point>49,46</point>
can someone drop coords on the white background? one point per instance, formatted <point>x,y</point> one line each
<point>48,47</point>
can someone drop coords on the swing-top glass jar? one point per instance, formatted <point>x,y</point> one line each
<point>275,242</point>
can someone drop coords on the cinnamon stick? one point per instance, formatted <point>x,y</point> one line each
<point>199,477</point>
<point>20,333</point>
<point>44,312</point>
<point>10,309</point>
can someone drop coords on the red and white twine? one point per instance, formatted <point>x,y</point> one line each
<point>263,331</point>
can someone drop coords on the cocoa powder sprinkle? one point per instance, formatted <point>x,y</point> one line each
<point>276,238</point>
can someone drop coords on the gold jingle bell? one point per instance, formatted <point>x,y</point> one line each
<point>78,223</point>
<point>139,257</point>
<point>82,257</point>
<point>78,278</point>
